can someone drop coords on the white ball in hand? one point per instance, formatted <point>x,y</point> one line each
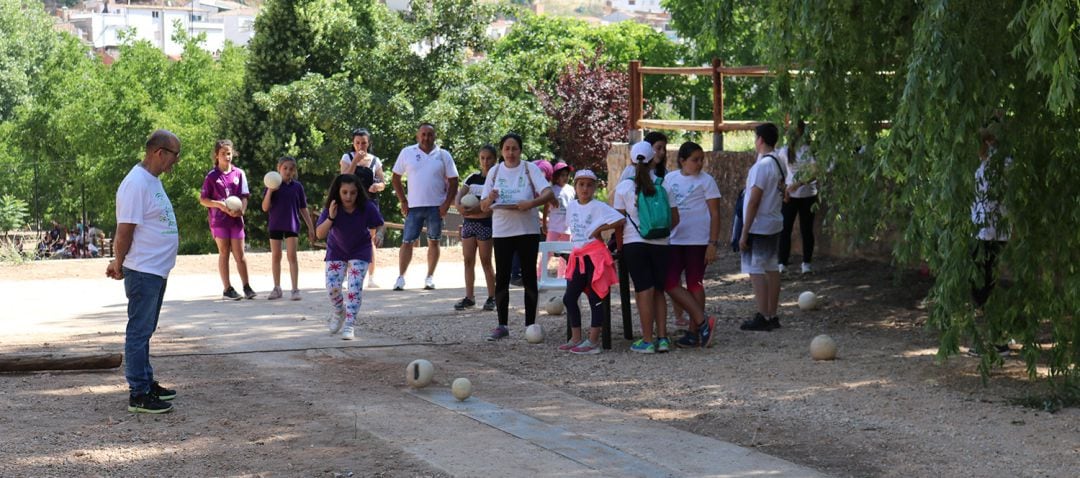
<point>272,180</point>
<point>233,203</point>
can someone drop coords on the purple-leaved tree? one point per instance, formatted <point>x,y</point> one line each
<point>589,104</point>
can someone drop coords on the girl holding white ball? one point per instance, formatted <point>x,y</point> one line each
<point>225,195</point>
<point>283,201</point>
<point>476,232</point>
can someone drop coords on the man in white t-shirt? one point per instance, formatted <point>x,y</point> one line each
<point>762,224</point>
<point>145,246</point>
<point>433,184</point>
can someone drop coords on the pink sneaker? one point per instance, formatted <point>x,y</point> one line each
<point>568,346</point>
<point>586,348</point>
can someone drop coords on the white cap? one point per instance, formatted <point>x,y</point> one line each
<point>641,152</point>
<point>585,174</point>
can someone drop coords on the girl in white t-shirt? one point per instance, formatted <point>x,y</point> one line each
<point>592,269</point>
<point>513,190</point>
<point>368,167</point>
<point>555,211</point>
<point>695,240</point>
<point>646,259</point>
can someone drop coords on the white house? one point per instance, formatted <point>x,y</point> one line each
<point>104,27</point>
<point>644,6</point>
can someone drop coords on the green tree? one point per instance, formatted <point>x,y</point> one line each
<point>938,71</point>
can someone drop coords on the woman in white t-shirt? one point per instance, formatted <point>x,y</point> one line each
<point>694,242</point>
<point>513,190</point>
<point>368,167</point>
<point>592,269</point>
<point>647,259</point>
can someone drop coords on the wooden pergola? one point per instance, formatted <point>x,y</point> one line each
<point>718,125</point>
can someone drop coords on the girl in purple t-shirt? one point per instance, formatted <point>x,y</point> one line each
<point>345,223</point>
<point>227,225</point>
<point>282,203</point>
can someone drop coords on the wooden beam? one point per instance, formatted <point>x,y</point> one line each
<point>33,362</point>
<point>706,126</point>
<point>637,99</point>
<point>677,70</point>
<point>744,70</point>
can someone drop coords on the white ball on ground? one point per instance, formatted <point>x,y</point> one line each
<point>233,203</point>
<point>470,200</point>
<point>555,306</point>
<point>419,373</point>
<point>534,334</point>
<point>272,179</point>
<point>807,300</point>
<point>823,348</point>
<point>461,388</point>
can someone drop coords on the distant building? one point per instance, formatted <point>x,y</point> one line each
<point>644,6</point>
<point>103,25</point>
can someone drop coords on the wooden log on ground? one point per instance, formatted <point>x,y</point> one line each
<point>33,362</point>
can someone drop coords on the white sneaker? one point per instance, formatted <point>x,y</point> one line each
<point>371,283</point>
<point>295,294</point>
<point>274,294</point>
<point>806,269</point>
<point>335,321</point>
<point>783,269</point>
<point>429,283</point>
<point>347,333</point>
<point>399,284</point>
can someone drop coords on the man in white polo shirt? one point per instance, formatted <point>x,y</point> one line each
<point>145,245</point>
<point>433,183</point>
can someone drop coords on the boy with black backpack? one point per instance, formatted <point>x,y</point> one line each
<point>763,222</point>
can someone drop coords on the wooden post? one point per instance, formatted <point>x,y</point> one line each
<point>636,102</point>
<point>58,361</point>
<point>718,104</point>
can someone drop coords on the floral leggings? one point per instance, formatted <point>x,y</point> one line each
<point>342,275</point>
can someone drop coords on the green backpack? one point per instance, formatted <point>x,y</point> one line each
<point>654,212</point>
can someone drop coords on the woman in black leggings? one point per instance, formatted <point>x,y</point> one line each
<point>802,196</point>
<point>513,191</point>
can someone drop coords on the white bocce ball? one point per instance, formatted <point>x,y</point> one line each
<point>807,300</point>
<point>419,373</point>
<point>534,334</point>
<point>823,348</point>
<point>461,388</point>
<point>272,180</point>
<point>555,306</point>
<point>470,200</point>
<point>233,203</point>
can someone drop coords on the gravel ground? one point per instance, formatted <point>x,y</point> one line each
<point>885,407</point>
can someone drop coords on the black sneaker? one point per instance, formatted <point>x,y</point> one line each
<point>517,281</point>
<point>230,294</point>
<point>774,323</point>
<point>162,393</point>
<point>249,292</point>
<point>465,303</point>
<point>705,331</point>
<point>148,403</point>
<point>489,304</point>
<point>759,324</point>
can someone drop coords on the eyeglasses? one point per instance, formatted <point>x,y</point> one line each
<point>175,153</point>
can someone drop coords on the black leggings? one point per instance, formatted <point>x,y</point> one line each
<point>804,208</point>
<point>574,287</point>
<point>985,256</point>
<point>526,248</point>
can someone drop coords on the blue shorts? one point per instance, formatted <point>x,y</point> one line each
<point>419,217</point>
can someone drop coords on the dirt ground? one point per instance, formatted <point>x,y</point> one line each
<point>885,407</point>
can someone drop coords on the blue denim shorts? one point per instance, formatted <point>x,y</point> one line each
<point>419,217</point>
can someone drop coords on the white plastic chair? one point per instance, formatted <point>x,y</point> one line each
<point>547,281</point>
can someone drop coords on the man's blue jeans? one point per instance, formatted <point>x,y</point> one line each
<point>145,293</point>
